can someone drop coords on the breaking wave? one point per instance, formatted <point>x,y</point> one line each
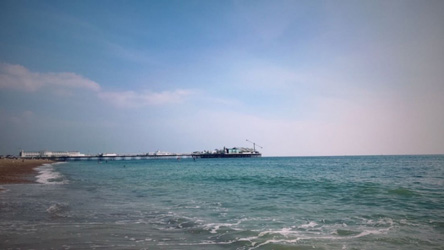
<point>48,175</point>
<point>58,210</point>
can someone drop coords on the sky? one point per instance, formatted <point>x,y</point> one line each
<point>299,78</point>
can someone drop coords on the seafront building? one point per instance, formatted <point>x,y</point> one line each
<point>46,154</point>
<point>236,152</point>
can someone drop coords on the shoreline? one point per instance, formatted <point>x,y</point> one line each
<point>19,171</point>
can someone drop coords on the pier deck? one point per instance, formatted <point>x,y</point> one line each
<point>147,157</point>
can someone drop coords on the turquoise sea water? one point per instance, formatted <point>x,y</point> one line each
<point>360,202</point>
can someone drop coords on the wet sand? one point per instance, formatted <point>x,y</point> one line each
<point>14,171</point>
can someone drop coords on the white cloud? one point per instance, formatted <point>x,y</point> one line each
<point>131,99</point>
<point>20,78</point>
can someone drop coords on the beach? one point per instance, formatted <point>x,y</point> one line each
<point>13,171</point>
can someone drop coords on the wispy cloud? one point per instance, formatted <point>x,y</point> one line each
<point>131,99</point>
<point>20,78</point>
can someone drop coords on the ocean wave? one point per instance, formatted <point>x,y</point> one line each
<point>3,189</point>
<point>48,175</point>
<point>58,210</point>
<point>402,192</point>
<point>310,224</point>
<point>303,233</point>
<point>238,232</point>
<point>306,233</point>
<point>214,227</point>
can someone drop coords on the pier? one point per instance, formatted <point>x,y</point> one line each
<point>146,157</point>
<point>77,156</point>
<point>119,157</point>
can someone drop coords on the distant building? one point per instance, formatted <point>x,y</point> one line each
<point>239,150</point>
<point>47,154</point>
<point>162,153</point>
<point>236,152</point>
<point>108,154</point>
<point>24,154</point>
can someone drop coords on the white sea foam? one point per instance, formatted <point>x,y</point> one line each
<point>58,209</point>
<point>213,227</point>
<point>275,241</point>
<point>202,243</point>
<point>3,189</point>
<point>310,231</point>
<point>48,175</point>
<point>284,232</point>
<point>292,237</point>
<point>311,224</point>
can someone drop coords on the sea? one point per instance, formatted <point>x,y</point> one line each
<point>344,202</point>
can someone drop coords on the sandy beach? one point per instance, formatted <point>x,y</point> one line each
<point>19,170</point>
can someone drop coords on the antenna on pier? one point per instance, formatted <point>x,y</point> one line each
<point>254,145</point>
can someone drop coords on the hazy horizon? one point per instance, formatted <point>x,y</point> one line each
<point>300,78</point>
<point>202,150</point>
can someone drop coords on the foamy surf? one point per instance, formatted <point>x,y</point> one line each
<point>314,232</point>
<point>48,175</point>
<point>58,210</point>
<point>3,189</point>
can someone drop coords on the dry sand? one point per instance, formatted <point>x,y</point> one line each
<point>19,170</point>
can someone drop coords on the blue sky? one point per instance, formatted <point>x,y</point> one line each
<point>297,77</point>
